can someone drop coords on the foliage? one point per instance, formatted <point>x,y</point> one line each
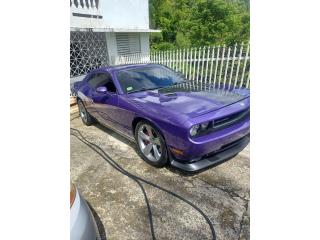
<point>193,23</point>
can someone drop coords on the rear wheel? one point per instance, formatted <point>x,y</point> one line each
<point>151,144</point>
<point>84,115</point>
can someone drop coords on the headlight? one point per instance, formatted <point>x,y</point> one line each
<point>200,128</point>
<point>194,130</point>
<point>204,125</point>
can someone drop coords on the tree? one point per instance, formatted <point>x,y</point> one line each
<point>186,23</point>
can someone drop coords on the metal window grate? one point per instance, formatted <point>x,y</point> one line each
<point>88,50</point>
<point>128,43</point>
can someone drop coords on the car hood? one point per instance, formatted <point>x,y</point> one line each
<point>188,99</point>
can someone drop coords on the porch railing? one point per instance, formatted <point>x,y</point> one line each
<point>84,6</point>
<point>222,65</point>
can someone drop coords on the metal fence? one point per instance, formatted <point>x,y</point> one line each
<point>88,51</point>
<point>226,66</point>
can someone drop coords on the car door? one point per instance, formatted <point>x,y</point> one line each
<point>105,104</point>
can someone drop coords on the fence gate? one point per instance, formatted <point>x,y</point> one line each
<point>88,51</point>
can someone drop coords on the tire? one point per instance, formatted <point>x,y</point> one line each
<point>84,115</point>
<point>157,155</point>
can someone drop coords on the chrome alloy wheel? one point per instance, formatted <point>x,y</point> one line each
<point>83,113</point>
<point>149,143</point>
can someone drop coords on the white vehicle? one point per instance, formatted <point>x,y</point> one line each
<point>82,223</point>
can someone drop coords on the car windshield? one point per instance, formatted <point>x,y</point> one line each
<point>147,78</point>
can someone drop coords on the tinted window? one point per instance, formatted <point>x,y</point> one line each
<point>102,79</point>
<point>144,78</point>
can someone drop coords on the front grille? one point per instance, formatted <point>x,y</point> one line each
<point>231,119</point>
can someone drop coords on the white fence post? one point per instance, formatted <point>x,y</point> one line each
<point>248,81</point>
<point>163,58</point>
<point>238,66</point>
<point>183,60</point>
<point>194,65</point>
<point>202,65</point>
<point>187,63</point>
<point>159,59</point>
<point>233,59</point>
<point>174,60</point>
<point>221,64</point>
<point>167,59</point>
<point>245,64</point>
<point>198,65</point>
<point>211,65</point>
<point>190,64</point>
<point>215,72</point>
<point>226,69</point>
<point>177,59</point>
<point>207,62</point>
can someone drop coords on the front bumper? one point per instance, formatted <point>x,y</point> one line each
<point>218,156</point>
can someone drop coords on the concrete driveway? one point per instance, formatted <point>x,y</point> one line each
<point>222,192</point>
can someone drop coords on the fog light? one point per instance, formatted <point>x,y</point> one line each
<point>176,151</point>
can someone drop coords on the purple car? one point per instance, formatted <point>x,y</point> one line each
<point>173,121</point>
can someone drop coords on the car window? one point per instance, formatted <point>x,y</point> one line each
<point>149,77</point>
<point>102,79</point>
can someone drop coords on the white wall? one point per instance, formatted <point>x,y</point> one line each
<point>144,40</point>
<point>111,45</point>
<point>129,14</point>
<point>82,22</point>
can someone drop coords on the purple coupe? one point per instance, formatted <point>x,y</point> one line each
<point>173,121</point>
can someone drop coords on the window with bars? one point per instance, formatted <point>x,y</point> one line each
<point>88,51</point>
<point>128,43</point>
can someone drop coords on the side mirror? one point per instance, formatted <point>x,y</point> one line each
<point>102,90</point>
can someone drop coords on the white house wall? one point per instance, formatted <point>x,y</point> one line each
<point>122,15</point>
<point>144,40</point>
<point>112,45</point>
<point>125,14</point>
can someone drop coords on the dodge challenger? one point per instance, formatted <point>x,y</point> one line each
<point>189,125</point>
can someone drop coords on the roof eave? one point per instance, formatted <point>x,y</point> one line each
<point>76,29</point>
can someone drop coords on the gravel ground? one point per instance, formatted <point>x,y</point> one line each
<point>222,192</point>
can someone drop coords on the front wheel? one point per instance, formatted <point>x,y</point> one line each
<point>84,115</point>
<point>151,144</point>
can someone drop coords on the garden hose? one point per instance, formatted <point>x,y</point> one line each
<point>138,180</point>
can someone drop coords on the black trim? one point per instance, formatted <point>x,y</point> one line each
<point>220,155</point>
<point>86,15</point>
